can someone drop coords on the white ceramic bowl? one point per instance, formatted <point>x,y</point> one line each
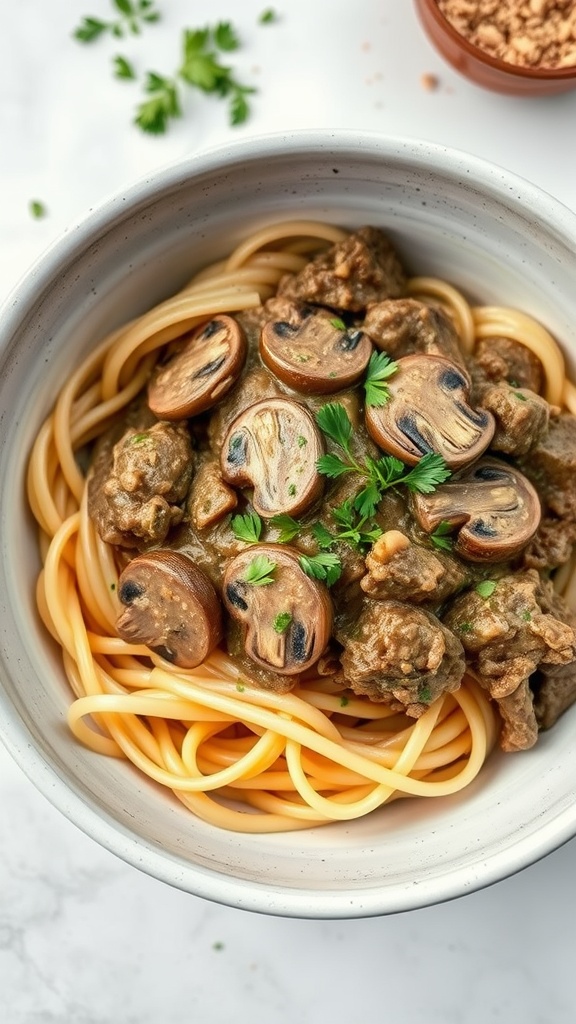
<point>495,236</point>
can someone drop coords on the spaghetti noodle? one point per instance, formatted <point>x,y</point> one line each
<point>236,755</point>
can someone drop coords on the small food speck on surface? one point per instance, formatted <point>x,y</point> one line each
<point>429,81</point>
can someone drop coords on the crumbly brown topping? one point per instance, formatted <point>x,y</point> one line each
<point>528,33</point>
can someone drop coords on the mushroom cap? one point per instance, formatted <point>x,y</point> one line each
<point>428,411</point>
<point>201,373</point>
<point>171,606</point>
<point>273,446</point>
<point>287,622</point>
<point>313,351</point>
<point>495,506</point>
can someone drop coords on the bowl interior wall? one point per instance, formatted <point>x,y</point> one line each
<point>472,230</point>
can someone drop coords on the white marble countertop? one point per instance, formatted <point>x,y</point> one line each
<point>85,939</point>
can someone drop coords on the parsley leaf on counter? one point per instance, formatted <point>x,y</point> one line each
<point>260,571</point>
<point>201,69</point>
<point>380,369</point>
<point>133,14</point>
<point>123,68</point>
<point>247,527</point>
<point>37,209</point>
<point>153,114</point>
<point>268,16</point>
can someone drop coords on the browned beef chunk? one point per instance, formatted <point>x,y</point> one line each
<point>554,692</point>
<point>504,359</point>
<point>519,725</point>
<point>210,498</point>
<point>364,268</point>
<point>405,326</point>
<point>551,466</point>
<point>555,685</point>
<point>403,571</point>
<point>401,655</point>
<point>521,417</point>
<point>507,637</point>
<point>551,545</point>
<point>136,485</point>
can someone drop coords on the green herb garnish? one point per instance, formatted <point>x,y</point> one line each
<point>247,527</point>
<point>338,323</point>
<point>133,14</point>
<point>289,527</point>
<point>440,539</point>
<point>520,396</point>
<point>292,490</point>
<point>281,622</point>
<point>486,588</point>
<point>424,694</point>
<point>202,69</point>
<point>123,68</point>
<point>268,16</point>
<point>344,701</point>
<point>324,566</point>
<point>382,473</point>
<point>302,441</point>
<point>380,368</point>
<point>154,114</point>
<point>527,616</point>
<point>37,209</point>
<point>260,571</point>
<point>139,438</point>
<point>465,627</point>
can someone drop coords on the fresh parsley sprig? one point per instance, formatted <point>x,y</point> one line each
<point>325,566</point>
<point>133,15</point>
<point>440,537</point>
<point>123,69</point>
<point>202,69</point>
<point>380,474</point>
<point>247,527</point>
<point>260,571</point>
<point>289,527</point>
<point>154,113</point>
<point>380,368</point>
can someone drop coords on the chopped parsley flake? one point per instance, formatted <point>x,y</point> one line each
<point>486,588</point>
<point>281,622</point>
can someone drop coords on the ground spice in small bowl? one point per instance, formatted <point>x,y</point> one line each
<point>526,33</point>
<point>518,47</point>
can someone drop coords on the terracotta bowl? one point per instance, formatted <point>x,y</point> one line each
<point>492,234</point>
<point>483,69</point>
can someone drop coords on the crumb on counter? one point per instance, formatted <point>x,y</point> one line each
<point>528,33</point>
<point>429,81</point>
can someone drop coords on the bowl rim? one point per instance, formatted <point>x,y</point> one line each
<point>495,181</point>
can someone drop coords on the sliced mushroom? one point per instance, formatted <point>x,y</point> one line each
<point>171,606</point>
<point>288,621</point>
<point>495,506</point>
<point>314,351</point>
<point>428,411</point>
<point>201,373</point>
<point>273,446</point>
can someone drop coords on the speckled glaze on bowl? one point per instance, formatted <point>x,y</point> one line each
<point>495,236</point>
<point>483,69</point>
